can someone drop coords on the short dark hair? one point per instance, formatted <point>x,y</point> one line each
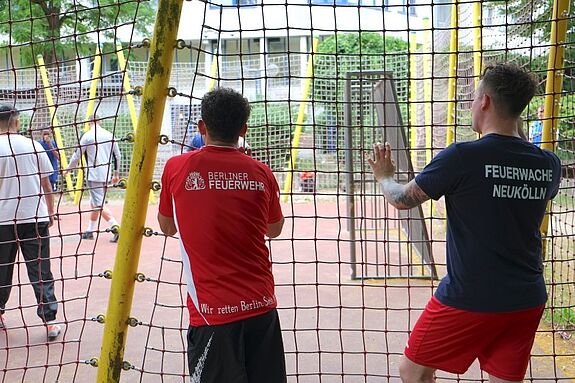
<point>510,87</point>
<point>6,112</point>
<point>225,112</point>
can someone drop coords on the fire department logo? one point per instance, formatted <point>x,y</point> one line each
<point>195,181</point>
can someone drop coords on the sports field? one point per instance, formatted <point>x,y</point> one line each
<point>335,329</point>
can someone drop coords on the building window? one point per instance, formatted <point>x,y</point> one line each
<point>367,3</point>
<point>412,8</point>
<point>233,3</point>
<point>403,7</point>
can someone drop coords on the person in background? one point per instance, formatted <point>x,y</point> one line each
<point>196,141</point>
<point>53,153</point>
<point>223,204</point>
<point>496,189</point>
<point>101,152</point>
<point>536,127</point>
<point>26,213</point>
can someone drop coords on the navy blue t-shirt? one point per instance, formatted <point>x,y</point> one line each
<point>496,190</point>
<point>52,158</point>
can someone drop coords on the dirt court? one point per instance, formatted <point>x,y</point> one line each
<point>335,329</point>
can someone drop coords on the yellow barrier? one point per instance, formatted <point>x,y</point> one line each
<point>477,42</point>
<point>452,76</point>
<point>130,98</point>
<point>89,111</point>
<point>154,96</point>
<point>413,96</point>
<point>427,90</point>
<point>554,86</point>
<point>127,86</point>
<point>55,122</point>
<point>214,73</point>
<point>299,123</point>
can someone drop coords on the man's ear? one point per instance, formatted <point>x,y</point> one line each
<point>244,130</point>
<point>202,127</point>
<point>486,101</point>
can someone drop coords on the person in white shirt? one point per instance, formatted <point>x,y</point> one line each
<point>26,213</point>
<point>100,150</point>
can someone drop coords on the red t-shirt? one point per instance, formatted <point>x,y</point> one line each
<point>222,201</point>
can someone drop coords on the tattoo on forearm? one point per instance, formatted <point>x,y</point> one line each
<point>403,196</point>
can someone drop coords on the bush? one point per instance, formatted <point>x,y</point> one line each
<point>270,132</point>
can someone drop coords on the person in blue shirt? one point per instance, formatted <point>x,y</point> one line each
<point>51,149</point>
<point>536,128</point>
<point>496,190</point>
<point>196,141</point>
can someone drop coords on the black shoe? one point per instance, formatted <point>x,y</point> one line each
<point>115,238</point>
<point>87,235</point>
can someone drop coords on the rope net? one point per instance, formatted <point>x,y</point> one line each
<point>352,273</point>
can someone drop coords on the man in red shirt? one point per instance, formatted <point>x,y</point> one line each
<point>224,203</point>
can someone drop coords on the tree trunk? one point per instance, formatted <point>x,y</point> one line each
<point>54,23</point>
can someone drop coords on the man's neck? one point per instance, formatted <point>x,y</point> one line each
<point>222,144</point>
<point>210,142</point>
<point>503,127</point>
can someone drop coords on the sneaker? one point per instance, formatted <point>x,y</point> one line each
<point>53,330</point>
<point>115,238</point>
<point>87,235</point>
<point>2,325</point>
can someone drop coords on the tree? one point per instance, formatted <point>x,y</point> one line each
<point>63,29</point>
<point>367,43</point>
<point>533,19</point>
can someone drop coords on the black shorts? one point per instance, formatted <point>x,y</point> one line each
<point>247,351</point>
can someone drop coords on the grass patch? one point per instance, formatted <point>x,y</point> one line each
<point>561,317</point>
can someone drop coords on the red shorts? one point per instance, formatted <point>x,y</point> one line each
<point>449,339</point>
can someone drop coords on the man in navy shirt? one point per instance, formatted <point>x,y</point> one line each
<point>51,149</point>
<point>496,189</point>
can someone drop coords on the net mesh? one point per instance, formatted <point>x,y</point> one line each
<point>351,279</point>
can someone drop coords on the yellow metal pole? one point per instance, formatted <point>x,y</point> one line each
<point>477,45</point>
<point>130,98</point>
<point>452,76</point>
<point>299,123</point>
<point>54,121</point>
<point>427,90</point>
<point>413,96</point>
<point>154,97</point>
<point>555,67</point>
<point>214,72</point>
<point>89,112</point>
<point>554,86</point>
<point>127,86</point>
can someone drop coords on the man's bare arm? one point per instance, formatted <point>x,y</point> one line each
<point>275,229</point>
<point>402,196</point>
<point>47,189</point>
<point>167,224</point>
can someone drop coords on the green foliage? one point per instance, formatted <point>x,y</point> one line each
<point>352,52</point>
<point>539,15</point>
<point>63,29</point>
<point>269,132</point>
<point>361,43</point>
<point>562,318</point>
<point>566,124</point>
